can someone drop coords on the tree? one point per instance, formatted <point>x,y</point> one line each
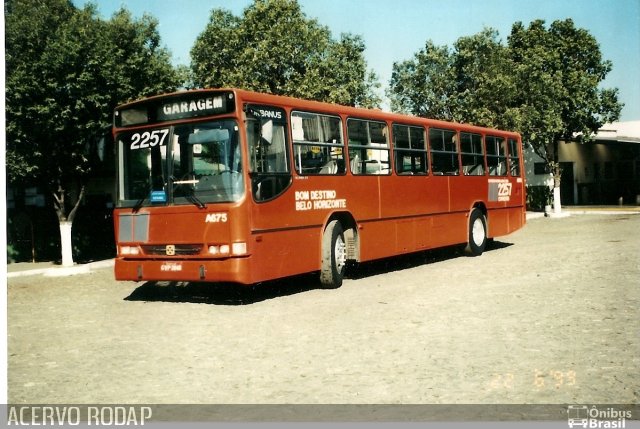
<point>425,85</point>
<point>484,88</point>
<point>558,72</point>
<point>66,71</point>
<point>463,84</point>
<point>275,48</point>
<point>545,84</point>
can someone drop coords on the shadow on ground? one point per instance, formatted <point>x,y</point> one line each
<point>223,293</point>
<point>236,294</point>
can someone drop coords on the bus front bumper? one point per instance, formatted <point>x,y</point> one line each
<point>234,269</point>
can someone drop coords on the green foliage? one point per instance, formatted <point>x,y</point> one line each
<point>66,71</point>
<point>545,84</point>
<point>463,84</point>
<point>484,88</point>
<point>275,48</point>
<point>424,86</point>
<point>558,73</point>
<point>538,197</point>
<point>32,234</point>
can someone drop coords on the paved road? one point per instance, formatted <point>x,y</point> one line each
<point>548,315</point>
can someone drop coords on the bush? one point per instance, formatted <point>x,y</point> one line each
<point>538,197</point>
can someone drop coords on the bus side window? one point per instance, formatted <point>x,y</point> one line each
<point>496,155</point>
<point>409,149</point>
<point>368,147</point>
<point>514,160</point>
<point>317,144</point>
<point>472,154</point>
<point>444,152</point>
<point>266,129</point>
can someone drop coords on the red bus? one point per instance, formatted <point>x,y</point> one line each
<point>228,185</point>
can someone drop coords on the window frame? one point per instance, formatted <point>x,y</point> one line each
<point>400,152</point>
<point>474,153</point>
<point>541,168</point>
<point>275,183</point>
<point>514,160</point>
<point>340,169</point>
<point>501,157</point>
<point>353,147</point>
<point>438,152</point>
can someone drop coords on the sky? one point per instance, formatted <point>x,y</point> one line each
<point>394,30</point>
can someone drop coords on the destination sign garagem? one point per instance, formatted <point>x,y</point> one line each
<point>189,108</point>
<point>182,106</point>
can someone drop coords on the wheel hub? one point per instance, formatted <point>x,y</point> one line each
<point>477,232</point>
<point>340,252</point>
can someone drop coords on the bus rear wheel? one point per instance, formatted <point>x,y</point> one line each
<point>334,256</point>
<point>477,239</point>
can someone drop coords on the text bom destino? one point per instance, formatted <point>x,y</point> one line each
<point>319,200</point>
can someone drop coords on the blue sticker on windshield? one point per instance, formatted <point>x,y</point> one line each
<point>158,197</point>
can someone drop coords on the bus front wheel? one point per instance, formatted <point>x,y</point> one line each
<point>477,239</point>
<point>334,256</point>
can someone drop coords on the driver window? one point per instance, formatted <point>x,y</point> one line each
<point>269,158</point>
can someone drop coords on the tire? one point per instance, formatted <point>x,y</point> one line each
<point>477,239</point>
<point>334,256</point>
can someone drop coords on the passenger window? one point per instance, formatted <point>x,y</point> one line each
<point>409,149</point>
<point>368,147</point>
<point>268,155</point>
<point>496,155</point>
<point>444,152</point>
<point>317,144</point>
<point>472,154</point>
<point>514,160</point>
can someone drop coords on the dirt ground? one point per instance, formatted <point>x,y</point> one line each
<point>548,315</point>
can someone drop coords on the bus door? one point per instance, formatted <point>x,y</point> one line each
<point>274,224</point>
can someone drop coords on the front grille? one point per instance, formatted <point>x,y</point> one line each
<point>172,249</point>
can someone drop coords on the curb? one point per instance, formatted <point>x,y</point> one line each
<point>65,271</point>
<point>534,215</point>
<point>538,215</point>
<point>602,212</point>
<point>566,212</point>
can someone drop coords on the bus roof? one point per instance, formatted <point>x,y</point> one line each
<point>321,107</point>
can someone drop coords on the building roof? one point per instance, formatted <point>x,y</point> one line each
<point>622,132</point>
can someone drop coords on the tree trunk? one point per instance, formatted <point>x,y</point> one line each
<point>557,203</point>
<point>557,177</point>
<point>66,223</point>
<point>65,244</point>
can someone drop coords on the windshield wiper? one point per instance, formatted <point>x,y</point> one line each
<point>195,200</point>
<point>138,205</point>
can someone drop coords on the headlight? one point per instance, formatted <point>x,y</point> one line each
<point>129,250</point>
<point>239,248</point>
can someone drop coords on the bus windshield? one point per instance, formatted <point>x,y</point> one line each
<point>195,163</point>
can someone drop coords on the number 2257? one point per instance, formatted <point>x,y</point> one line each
<point>148,139</point>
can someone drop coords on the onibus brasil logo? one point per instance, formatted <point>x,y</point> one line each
<point>594,417</point>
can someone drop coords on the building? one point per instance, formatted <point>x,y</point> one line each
<point>605,170</point>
